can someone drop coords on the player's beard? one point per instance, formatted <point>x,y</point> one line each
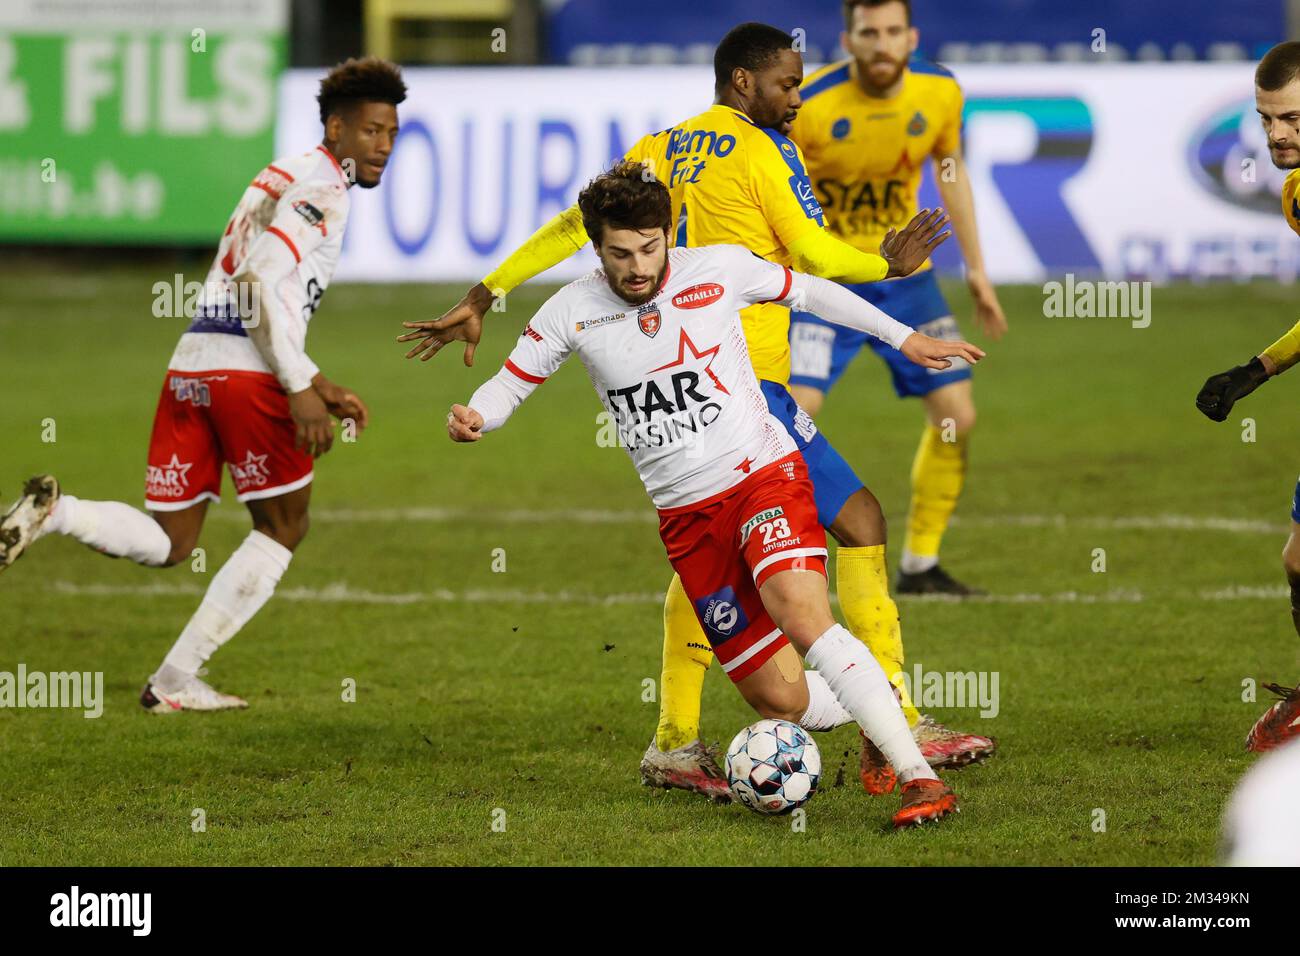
<point>648,291</point>
<point>869,77</point>
<point>1292,160</point>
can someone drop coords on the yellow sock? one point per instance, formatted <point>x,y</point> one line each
<point>862,582</point>
<point>687,656</point>
<point>938,473</point>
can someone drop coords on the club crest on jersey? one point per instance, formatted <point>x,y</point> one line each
<point>917,126</point>
<point>840,128</point>
<point>649,319</point>
<point>698,296</point>
<point>721,614</point>
<point>309,212</point>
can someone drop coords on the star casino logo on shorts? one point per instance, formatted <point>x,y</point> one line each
<point>721,614</point>
<point>252,471</point>
<point>168,480</point>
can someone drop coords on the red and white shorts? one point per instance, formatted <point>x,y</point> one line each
<point>205,419</point>
<point>726,546</point>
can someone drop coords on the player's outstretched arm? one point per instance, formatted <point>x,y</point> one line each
<point>464,424</point>
<point>550,245</point>
<point>822,254</point>
<point>836,304</point>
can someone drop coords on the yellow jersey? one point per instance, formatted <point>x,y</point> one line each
<point>1285,352</point>
<point>732,181</point>
<point>1290,208</point>
<point>865,155</point>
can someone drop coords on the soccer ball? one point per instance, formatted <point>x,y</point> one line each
<point>773,766</point>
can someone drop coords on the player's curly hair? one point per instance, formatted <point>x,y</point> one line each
<point>628,196</point>
<point>369,79</point>
<point>1279,66</point>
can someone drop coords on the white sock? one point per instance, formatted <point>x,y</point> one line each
<point>824,711</point>
<point>916,564</point>
<point>238,590</point>
<point>110,527</point>
<point>861,686</point>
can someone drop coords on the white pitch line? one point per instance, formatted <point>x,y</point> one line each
<point>434,515</point>
<point>341,593</point>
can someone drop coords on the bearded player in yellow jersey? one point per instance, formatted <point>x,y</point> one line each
<point>868,126</point>
<point>734,177</point>
<point>1277,100</point>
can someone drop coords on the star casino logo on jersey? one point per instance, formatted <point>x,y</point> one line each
<point>721,614</point>
<point>661,410</point>
<point>649,319</point>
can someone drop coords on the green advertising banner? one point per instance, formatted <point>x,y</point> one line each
<point>133,120</point>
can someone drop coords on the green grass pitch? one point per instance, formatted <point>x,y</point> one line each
<point>522,691</point>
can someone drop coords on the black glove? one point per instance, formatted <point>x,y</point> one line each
<point>1222,391</point>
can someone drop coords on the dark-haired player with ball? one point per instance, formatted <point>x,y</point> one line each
<point>241,390</point>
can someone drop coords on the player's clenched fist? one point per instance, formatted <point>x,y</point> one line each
<point>935,353</point>
<point>1221,392</point>
<point>464,424</point>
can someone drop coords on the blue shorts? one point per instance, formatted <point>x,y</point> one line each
<point>1295,499</point>
<point>820,351</point>
<point>832,479</point>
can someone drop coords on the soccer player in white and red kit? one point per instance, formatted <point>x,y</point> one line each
<point>241,390</point>
<point>660,335</point>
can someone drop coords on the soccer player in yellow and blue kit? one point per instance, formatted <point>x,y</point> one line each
<point>867,128</point>
<point>734,177</point>
<point>1277,100</point>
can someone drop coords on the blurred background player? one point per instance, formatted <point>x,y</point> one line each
<point>1277,99</point>
<point>659,333</point>
<point>734,177</point>
<point>240,389</point>
<point>867,126</point>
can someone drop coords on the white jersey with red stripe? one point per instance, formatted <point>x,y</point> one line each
<point>288,231</point>
<point>674,374</point>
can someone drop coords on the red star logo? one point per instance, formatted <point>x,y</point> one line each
<point>684,343</point>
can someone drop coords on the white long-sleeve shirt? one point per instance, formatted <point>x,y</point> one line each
<point>287,229</point>
<point>675,373</point>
